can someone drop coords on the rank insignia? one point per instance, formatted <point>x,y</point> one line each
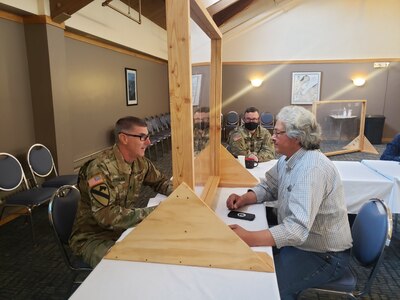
<point>101,193</point>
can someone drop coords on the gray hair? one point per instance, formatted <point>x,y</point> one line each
<point>301,124</point>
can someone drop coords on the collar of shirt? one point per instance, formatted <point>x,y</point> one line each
<point>122,164</point>
<point>291,162</point>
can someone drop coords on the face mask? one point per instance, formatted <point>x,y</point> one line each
<point>201,125</point>
<point>251,126</point>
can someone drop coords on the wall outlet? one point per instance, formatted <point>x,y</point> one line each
<point>381,65</point>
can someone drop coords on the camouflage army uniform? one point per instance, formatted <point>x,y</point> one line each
<point>242,142</point>
<point>110,188</point>
<point>201,138</point>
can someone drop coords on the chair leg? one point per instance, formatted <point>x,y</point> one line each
<point>31,219</point>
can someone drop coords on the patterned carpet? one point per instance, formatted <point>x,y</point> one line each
<point>39,272</point>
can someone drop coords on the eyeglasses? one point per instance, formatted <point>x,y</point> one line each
<point>251,120</point>
<point>142,137</point>
<point>278,133</point>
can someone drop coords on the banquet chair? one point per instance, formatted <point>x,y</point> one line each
<point>267,121</point>
<point>232,121</point>
<point>19,195</point>
<point>62,210</point>
<point>155,139</point>
<point>371,232</point>
<point>41,164</point>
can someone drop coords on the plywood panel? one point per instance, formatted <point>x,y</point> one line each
<point>183,230</point>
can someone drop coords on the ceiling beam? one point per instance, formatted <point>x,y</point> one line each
<point>61,10</point>
<point>228,12</point>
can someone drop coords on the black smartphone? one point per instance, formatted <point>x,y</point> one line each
<point>241,215</point>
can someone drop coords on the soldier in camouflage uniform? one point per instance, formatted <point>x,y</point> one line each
<point>110,186</point>
<point>201,124</point>
<point>252,140</point>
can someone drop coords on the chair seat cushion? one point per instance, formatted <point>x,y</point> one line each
<point>61,180</point>
<point>346,283</point>
<point>32,197</point>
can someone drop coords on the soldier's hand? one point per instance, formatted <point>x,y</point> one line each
<point>253,156</point>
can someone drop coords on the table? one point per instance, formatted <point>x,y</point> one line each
<point>391,171</point>
<point>113,279</point>
<point>360,183</point>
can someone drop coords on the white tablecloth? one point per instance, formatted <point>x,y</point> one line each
<point>360,183</point>
<point>114,280</point>
<point>390,170</point>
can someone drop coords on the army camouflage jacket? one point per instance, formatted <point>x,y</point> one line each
<point>109,190</point>
<point>201,138</point>
<point>242,142</point>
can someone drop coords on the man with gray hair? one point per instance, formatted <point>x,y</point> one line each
<point>312,239</point>
<point>110,186</point>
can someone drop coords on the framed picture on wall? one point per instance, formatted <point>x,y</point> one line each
<point>305,87</point>
<point>131,87</point>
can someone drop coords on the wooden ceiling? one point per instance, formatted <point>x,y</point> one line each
<point>221,10</point>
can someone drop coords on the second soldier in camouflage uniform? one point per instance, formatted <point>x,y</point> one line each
<point>252,140</point>
<point>110,186</point>
<point>201,131</point>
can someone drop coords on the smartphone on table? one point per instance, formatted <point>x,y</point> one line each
<point>241,215</point>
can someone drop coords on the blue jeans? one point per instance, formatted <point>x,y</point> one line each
<point>297,269</point>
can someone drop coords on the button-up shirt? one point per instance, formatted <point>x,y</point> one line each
<point>312,213</point>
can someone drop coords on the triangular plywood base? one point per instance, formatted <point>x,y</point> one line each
<point>355,145</point>
<point>185,231</point>
<point>233,174</point>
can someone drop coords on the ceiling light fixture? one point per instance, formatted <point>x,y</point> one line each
<point>128,15</point>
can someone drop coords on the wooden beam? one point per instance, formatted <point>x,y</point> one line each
<point>227,13</point>
<point>61,10</point>
<point>180,91</point>
<point>200,15</point>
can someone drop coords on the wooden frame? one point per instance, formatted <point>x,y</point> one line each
<point>131,86</point>
<point>305,87</point>
<point>341,111</point>
<point>180,84</point>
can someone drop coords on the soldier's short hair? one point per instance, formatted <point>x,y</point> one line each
<point>203,109</point>
<point>251,109</point>
<point>126,123</point>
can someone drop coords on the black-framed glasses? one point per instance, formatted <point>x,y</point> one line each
<point>142,137</point>
<point>247,120</point>
<point>278,133</point>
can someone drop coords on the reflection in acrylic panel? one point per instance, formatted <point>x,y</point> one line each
<point>340,124</point>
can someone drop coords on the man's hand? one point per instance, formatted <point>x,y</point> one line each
<point>254,238</point>
<point>234,201</point>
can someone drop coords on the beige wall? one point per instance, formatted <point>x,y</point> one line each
<point>381,90</point>
<point>68,94</point>
<point>96,91</point>
<point>16,119</point>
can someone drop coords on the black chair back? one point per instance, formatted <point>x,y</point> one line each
<point>371,221</point>
<point>40,160</point>
<point>62,210</point>
<point>11,173</point>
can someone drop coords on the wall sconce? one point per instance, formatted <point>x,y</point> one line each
<point>358,81</point>
<point>256,82</point>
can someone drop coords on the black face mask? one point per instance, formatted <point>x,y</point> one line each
<point>251,126</point>
<point>202,125</point>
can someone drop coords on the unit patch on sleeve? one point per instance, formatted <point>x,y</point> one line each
<point>101,193</point>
